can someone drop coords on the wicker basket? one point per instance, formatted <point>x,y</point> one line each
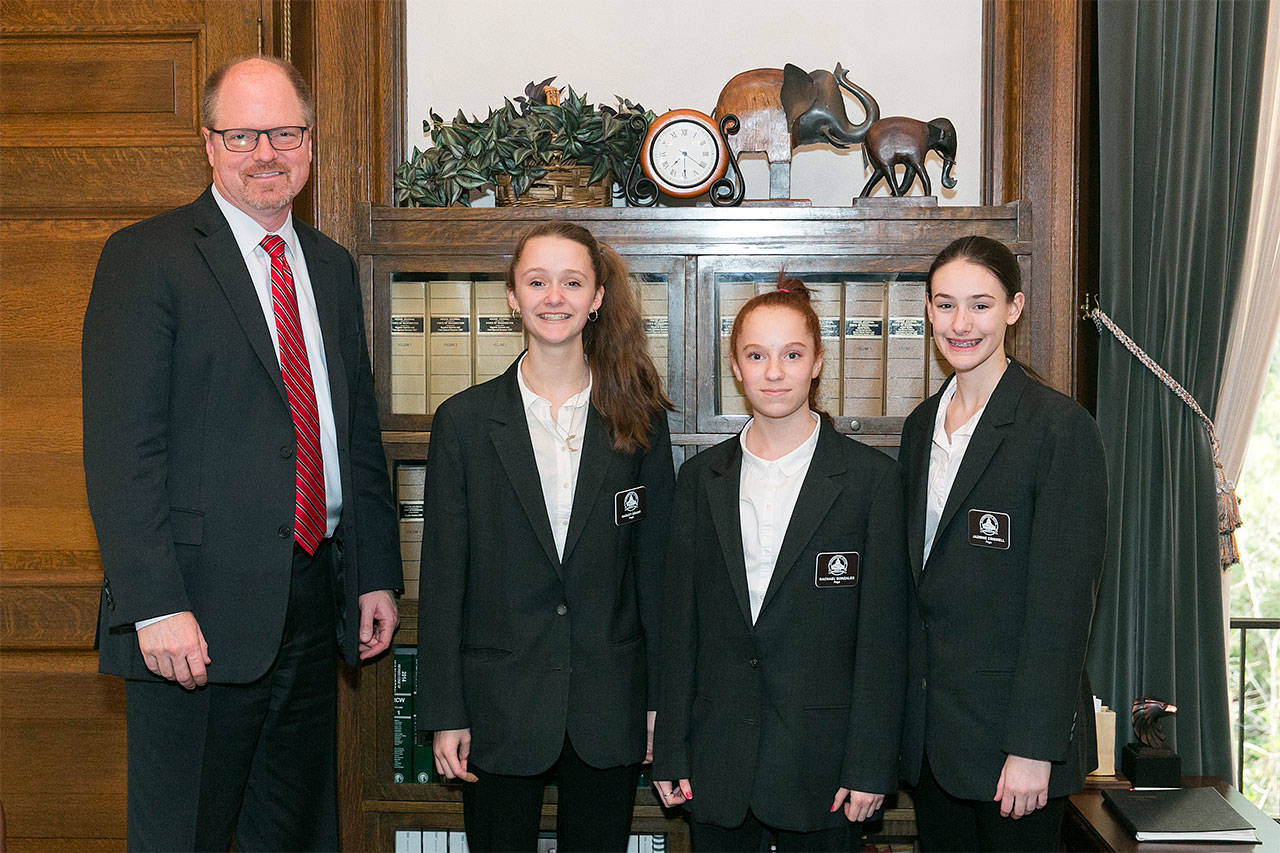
<point>562,186</point>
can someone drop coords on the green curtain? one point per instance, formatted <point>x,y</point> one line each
<point>1178,92</point>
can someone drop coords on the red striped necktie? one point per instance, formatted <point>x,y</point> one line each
<point>309,510</point>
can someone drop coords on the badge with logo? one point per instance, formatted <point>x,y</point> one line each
<point>989,529</point>
<point>835,568</point>
<point>628,505</point>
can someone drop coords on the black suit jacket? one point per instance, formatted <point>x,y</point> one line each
<point>999,633</point>
<point>777,715</point>
<point>189,443</point>
<point>513,642</point>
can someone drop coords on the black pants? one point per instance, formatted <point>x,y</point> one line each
<point>948,823</point>
<point>253,762</point>
<point>754,837</point>
<point>502,813</point>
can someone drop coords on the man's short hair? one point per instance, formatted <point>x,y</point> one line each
<point>209,96</point>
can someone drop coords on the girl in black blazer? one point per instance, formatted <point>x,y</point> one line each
<point>548,501</point>
<point>1006,520</point>
<point>784,627</point>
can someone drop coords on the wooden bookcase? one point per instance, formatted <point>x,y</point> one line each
<point>697,264</point>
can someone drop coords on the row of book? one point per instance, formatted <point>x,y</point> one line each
<point>449,334</point>
<point>877,359</point>
<point>453,841</point>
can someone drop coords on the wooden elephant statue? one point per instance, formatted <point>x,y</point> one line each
<point>895,140</point>
<point>783,108</point>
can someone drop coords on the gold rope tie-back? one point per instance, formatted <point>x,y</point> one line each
<point>1228,504</point>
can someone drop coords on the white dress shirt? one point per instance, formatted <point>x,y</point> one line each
<point>767,494</point>
<point>248,234</point>
<point>945,456</point>
<point>557,448</point>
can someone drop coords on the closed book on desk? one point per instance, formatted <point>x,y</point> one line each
<point>1179,814</point>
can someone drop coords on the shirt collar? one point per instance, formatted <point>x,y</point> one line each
<point>790,463</point>
<point>940,419</point>
<point>530,398</point>
<point>249,233</point>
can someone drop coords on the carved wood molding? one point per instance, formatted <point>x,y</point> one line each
<point>352,53</point>
<point>1037,126</point>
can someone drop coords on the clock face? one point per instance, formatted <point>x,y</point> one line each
<point>684,154</point>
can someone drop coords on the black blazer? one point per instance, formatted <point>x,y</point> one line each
<point>1002,618</point>
<point>777,715</point>
<point>188,443</point>
<point>513,642</point>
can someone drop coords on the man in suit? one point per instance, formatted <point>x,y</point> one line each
<point>238,487</point>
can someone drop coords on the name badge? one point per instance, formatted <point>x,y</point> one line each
<point>989,529</point>
<point>628,506</point>
<point>835,568</point>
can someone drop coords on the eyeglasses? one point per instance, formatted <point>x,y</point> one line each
<point>241,139</point>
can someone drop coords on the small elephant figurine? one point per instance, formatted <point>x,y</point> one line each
<point>781,109</point>
<point>895,140</point>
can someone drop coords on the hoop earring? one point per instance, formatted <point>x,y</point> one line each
<point>593,315</point>
<point>515,312</point>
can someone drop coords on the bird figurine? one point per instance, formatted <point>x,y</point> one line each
<point>1147,713</point>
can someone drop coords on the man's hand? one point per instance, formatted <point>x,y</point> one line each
<point>378,621</point>
<point>174,648</point>
<point>860,804</point>
<point>1023,786</point>
<point>451,748</point>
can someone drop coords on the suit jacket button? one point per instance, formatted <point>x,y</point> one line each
<point>755,662</point>
<point>924,684</point>
<point>286,451</point>
<point>284,531</point>
<point>561,609</point>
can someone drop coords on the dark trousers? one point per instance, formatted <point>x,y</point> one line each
<point>253,762</point>
<point>755,837</point>
<point>502,813</point>
<point>948,823</point>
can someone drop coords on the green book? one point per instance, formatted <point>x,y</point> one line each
<point>403,659</point>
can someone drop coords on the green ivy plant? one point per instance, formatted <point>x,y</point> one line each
<point>522,140</point>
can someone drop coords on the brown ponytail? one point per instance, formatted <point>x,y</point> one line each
<point>790,293</point>
<point>625,387</point>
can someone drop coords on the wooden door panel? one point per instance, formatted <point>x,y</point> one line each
<point>137,88</point>
<point>99,127</point>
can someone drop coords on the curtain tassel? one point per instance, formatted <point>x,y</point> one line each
<point>1228,504</point>
<point>1229,519</point>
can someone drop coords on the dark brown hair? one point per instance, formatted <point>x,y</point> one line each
<point>625,386</point>
<point>209,95</point>
<point>790,293</point>
<point>991,255</point>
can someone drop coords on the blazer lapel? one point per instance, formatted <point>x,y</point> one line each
<point>985,441</point>
<point>818,492</point>
<point>324,289</point>
<point>722,495</point>
<point>596,456</point>
<point>918,496</point>
<point>512,444</point>
<point>218,245</point>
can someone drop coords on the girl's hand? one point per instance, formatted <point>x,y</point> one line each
<point>673,795</point>
<point>860,804</point>
<point>1023,786</point>
<point>451,749</point>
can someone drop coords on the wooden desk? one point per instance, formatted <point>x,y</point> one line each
<point>1090,825</point>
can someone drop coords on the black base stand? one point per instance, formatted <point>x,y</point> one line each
<point>1151,768</point>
